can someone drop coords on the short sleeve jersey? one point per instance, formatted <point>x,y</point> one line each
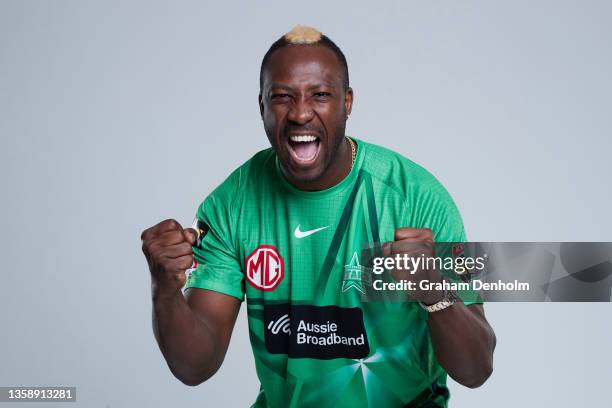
<point>296,257</point>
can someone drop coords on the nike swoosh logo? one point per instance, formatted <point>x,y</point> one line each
<point>304,234</point>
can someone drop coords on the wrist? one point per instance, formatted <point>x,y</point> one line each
<point>433,297</point>
<point>447,300</point>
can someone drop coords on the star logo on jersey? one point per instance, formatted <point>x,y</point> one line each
<point>353,273</point>
<point>303,234</point>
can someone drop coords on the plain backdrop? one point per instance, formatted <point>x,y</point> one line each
<point>115,115</point>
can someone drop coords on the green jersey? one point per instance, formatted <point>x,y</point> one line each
<point>296,255</point>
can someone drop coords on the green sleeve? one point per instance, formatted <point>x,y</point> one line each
<point>442,216</point>
<point>218,267</point>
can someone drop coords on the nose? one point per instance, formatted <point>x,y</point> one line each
<point>301,112</point>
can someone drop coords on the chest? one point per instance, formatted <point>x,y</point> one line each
<point>311,250</point>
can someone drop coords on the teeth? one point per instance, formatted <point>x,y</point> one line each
<point>303,138</point>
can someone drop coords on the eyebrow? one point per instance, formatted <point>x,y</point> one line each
<point>310,88</point>
<point>278,86</point>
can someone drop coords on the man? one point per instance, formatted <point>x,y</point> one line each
<point>287,229</point>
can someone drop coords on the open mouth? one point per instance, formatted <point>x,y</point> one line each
<point>304,149</point>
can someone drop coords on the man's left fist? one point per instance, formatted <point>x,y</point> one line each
<point>415,243</point>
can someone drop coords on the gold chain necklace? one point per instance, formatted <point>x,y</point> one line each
<point>353,151</point>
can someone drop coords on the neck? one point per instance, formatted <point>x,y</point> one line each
<point>333,175</point>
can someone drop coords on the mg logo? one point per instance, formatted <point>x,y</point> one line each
<point>265,268</point>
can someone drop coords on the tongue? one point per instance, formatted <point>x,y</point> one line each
<point>305,150</point>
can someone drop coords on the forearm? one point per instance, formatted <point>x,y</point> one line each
<point>185,340</point>
<point>463,343</point>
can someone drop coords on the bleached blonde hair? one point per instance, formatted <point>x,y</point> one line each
<point>301,34</point>
<point>306,35</point>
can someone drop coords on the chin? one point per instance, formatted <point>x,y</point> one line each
<point>304,175</point>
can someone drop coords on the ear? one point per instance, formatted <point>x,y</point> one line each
<point>348,100</point>
<point>261,107</point>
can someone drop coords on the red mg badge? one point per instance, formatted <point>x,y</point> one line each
<point>265,268</point>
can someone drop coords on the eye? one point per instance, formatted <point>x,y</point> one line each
<point>279,96</point>
<point>322,94</point>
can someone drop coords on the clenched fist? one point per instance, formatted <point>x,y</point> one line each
<point>415,243</point>
<point>168,249</point>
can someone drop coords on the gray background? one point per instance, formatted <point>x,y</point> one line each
<point>115,115</point>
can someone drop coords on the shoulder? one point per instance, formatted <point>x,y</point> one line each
<point>244,176</point>
<point>232,190</point>
<point>399,172</point>
<point>428,203</point>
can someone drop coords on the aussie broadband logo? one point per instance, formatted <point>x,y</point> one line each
<point>265,268</point>
<point>282,324</point>
<point>326,332</point>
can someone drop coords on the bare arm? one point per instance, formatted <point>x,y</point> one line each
<point>463,343</point>
<point>462,338</point>
<point>193,332</point>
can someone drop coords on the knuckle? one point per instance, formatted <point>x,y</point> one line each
<point>186,247</point>
<point>171,223</point>
<point>158,254</point>
<point>170,235</point>
<point>177,235</point>
<point>149,246</point>
<point>152,246</point>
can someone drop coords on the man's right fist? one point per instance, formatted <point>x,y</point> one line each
<point>167,247</point>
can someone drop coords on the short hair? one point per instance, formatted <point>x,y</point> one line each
<point>304,35</point>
